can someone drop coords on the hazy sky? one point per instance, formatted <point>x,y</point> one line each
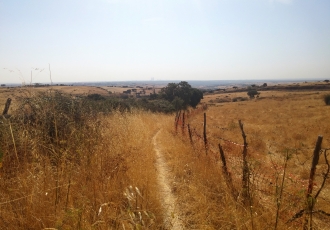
<point>111,40</point>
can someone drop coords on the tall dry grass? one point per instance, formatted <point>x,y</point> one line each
<point>199,185</point>
<point>66,166</point>
<point>281,131</point>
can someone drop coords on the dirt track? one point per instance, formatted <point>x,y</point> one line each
<point>171,209</point>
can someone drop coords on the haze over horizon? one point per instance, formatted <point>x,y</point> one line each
<point>130,40</point>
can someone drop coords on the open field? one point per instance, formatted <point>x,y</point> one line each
<point>14,92</point>
<point>276,124</point>
<point>72,168</point>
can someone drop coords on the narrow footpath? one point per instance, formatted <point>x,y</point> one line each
<point>170,206</point>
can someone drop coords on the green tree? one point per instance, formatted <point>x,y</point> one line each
<point>252,93</point>
<point>169,91</point>
<point>196,97</point>
<point>184,92</point>
<point>177,103</point>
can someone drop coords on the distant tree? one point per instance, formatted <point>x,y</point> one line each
<point>326,81</point>
<point>264,85</point>
<point>184,92</point>
<point>196,97</point>
<point>177,103</point>
<point>252,93</point>
<point>153,96</point>
<point>169,92</point>
<point>327,99</point>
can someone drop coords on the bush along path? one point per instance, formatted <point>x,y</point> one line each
<point>170,207</point>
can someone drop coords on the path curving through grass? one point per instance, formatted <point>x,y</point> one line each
<point>169,201</point>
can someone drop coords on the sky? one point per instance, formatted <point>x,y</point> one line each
<point>129,40</point>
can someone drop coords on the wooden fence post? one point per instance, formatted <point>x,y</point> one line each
<point>204,132</point>
<point>183,122</point>
<point>190,136</point>
<point>7,105</point>
<point>228,178</point>
<point>247,199</point>
<point>309,198</point>
<point>177,118</point>
<point>245,176</point>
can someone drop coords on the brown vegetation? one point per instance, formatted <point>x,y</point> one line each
<point>65,167</point>
<point>98,171</point>
<point>281,129</point>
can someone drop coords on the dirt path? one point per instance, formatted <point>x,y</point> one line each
<point>171,212</point>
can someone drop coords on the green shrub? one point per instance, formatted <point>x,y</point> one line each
<point>95,97</point>
<point>235,99</point>
<point>159,105</point>
<point>252,93</point>
<point>327,99</point>
<point>51,125</point>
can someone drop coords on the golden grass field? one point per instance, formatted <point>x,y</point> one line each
<point>276,123</point>
<point>88,186</point>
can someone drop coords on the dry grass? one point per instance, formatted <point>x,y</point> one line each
<point>16,92</point>
<point>275,124</point>
<point>87,186</point>
<point>96,172</point>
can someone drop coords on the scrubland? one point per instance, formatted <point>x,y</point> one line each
<point>64,166</point>
<point>67,166</point>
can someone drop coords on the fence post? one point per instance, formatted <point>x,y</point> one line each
<point>229,180</point>
<point>223,159</point>
<point>204,132</point>
<point>183,122</point>
<point>190,136</point>
<point>309,198</point>
<point>7,105</point>
<point>177,118</point>
<point>245,176</point>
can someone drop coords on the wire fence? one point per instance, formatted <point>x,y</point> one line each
<point>266,172</point>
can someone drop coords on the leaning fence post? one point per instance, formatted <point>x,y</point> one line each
<point>190,136</point>
<point>309,198</point>
<point>229,180</point>
<point>245,176</point>
<point>247,199</point>
<point>223,159</point>
<point>7,105</point>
